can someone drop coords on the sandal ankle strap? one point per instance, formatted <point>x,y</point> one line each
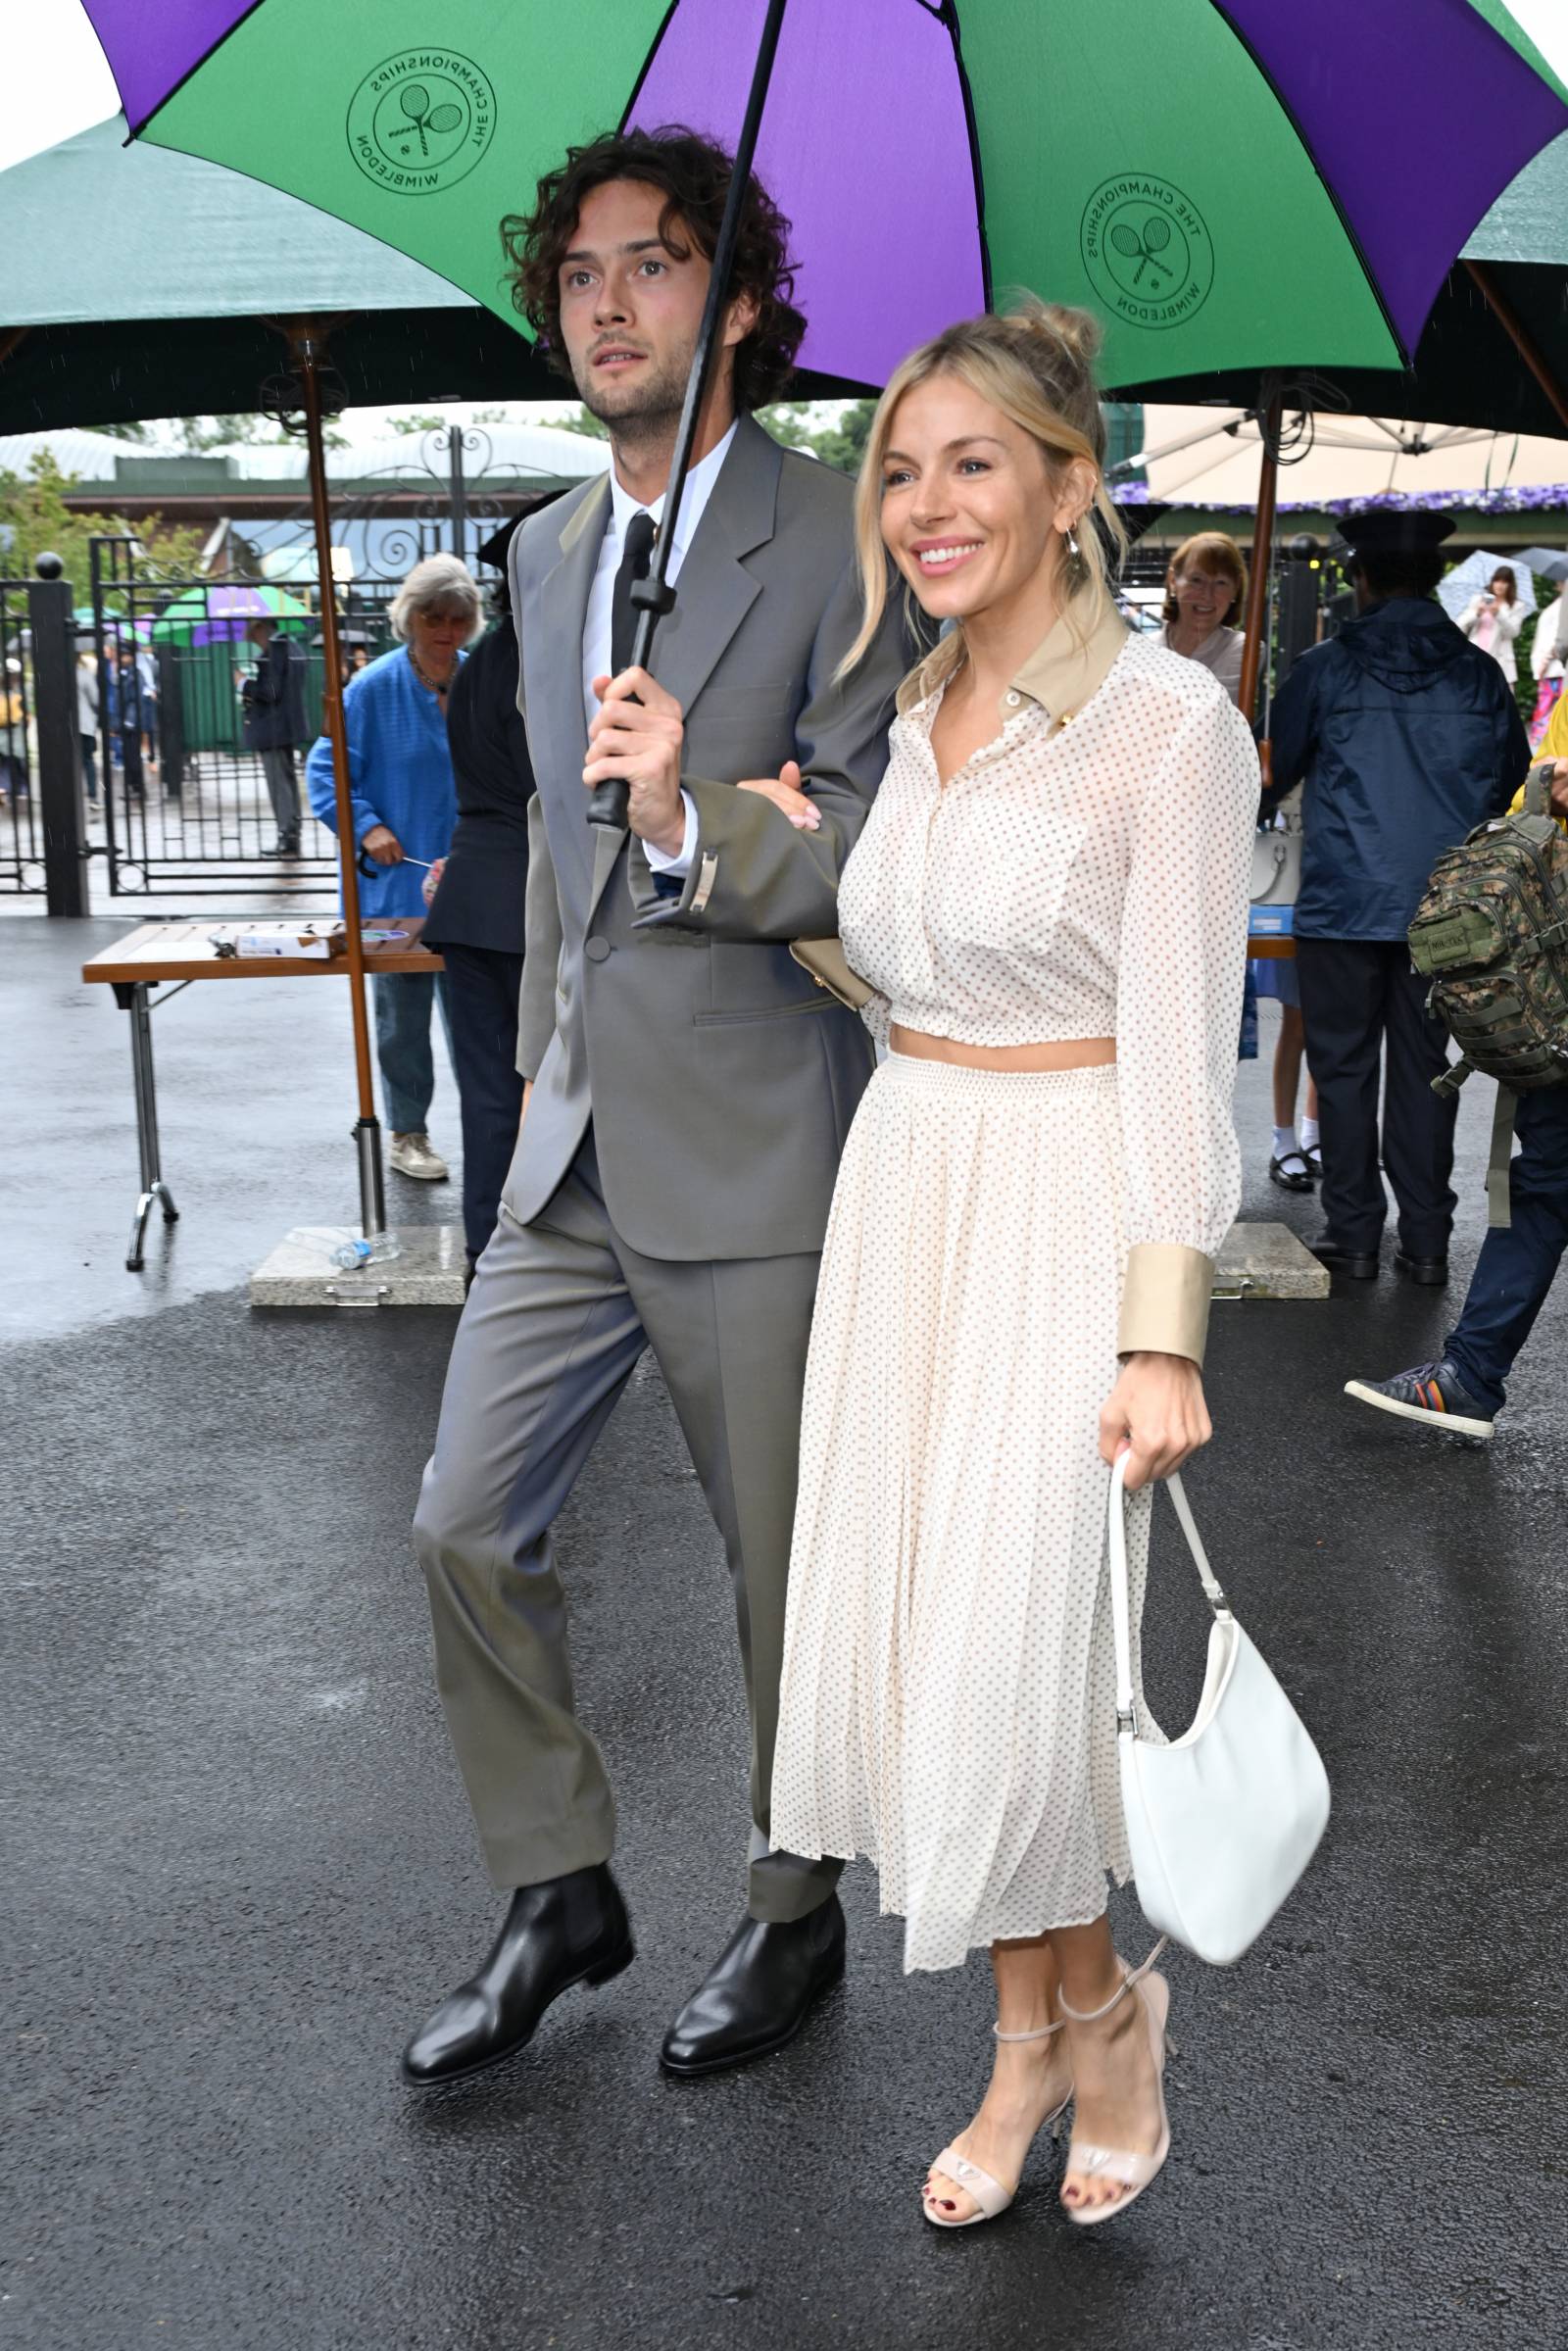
<point>1092,2016</point>
<point>1039,2032</point>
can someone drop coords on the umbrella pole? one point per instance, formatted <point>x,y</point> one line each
<point>653,597</point>
<point>1518,334</point>
<point>1262,543</point>
<point>308,344</point>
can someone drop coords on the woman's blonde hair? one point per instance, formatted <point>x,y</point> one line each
<point>1212,549</point>
<point>1036,364</point>
<point>435,585</point>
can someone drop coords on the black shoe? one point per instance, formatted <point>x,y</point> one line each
<point>757,1995</point>
<point>571,1929</point>
<point>1433,1393</point>
<point>1431,1272</point>
<point>1356,1264</point>
<point>284,846</point>
<point>1292,1173</point>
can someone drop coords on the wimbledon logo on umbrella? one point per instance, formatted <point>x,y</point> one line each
<point>420,121</point>
<point>1147,250</point>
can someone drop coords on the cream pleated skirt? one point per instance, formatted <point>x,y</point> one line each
<point>949,1692</point>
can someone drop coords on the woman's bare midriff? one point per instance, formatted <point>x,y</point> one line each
<point>1071,1053</point>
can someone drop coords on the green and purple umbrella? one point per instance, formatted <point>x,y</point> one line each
<point>1268,184</point>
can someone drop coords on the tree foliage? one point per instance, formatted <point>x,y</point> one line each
<point>35,519</point>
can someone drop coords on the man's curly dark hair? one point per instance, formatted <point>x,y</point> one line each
<point>693,174</point>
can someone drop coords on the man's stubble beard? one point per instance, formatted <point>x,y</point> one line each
<point>649,420</point>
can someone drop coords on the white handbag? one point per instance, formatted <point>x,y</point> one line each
<point>1222,1822</point>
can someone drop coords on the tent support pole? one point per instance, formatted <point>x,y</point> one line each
<point>1262,542</point>
<point>651,597</point>
<point>1518,333</point>
<point>308,343</point>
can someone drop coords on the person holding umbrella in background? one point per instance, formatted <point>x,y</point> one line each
<point>1492,619</point>
<point>477,894</point>
<point>405,807</point>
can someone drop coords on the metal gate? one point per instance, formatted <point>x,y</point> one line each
<point>20,826</point>
<point>184,810</point>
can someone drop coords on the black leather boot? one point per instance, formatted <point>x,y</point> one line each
<point>757,1996</point>
<point>571,1929</point>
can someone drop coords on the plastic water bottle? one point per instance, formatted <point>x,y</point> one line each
<point>362,1249</point>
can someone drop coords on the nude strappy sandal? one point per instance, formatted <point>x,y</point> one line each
<point>1134,2172</point>
<point>989,2194</point>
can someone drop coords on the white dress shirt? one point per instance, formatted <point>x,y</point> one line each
<point>596,625</point>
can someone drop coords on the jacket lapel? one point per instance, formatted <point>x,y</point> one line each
<point>714,591</point>
<point>713,594</point>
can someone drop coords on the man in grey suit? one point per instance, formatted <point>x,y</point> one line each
<point>690,1088</point>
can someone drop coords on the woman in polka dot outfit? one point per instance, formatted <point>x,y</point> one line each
<point>1049,898</point>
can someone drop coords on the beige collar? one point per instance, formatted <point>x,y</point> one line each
<point>1068,668</point>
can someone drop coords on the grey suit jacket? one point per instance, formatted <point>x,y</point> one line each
<point>720,1080</point>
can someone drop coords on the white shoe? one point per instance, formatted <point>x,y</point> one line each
<point>413,1155</point>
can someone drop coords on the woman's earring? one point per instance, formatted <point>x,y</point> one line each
<point>1076,568</point>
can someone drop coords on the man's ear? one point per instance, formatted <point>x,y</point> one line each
<point>739,318</point>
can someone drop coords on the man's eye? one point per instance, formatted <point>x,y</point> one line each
<point>653,269</point>
<point>576,279</point>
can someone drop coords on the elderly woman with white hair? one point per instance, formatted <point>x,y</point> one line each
<point>405,807</point>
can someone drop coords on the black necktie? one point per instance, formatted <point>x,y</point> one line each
<point>639,547</point>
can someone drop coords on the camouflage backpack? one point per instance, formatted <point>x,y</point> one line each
<point>1491,936</point>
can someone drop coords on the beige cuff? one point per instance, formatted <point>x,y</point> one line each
<point>1164,1301</point>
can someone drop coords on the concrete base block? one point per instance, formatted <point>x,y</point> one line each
<point>428,1271</point>
<point>1258,1261</point>
<point>1267,1260</point>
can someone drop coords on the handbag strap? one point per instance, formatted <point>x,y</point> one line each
<point>1120,1599</point>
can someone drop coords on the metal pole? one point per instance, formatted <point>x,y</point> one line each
<point>308,344</point>
<point>460,498</point>
<point>1262,547</point>
<point>1519,335</point>
<point>608,804</point>
<point>62,801</point>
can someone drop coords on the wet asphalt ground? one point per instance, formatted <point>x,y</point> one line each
<point>238,1864</point>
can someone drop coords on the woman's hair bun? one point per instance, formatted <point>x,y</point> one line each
<point>1077,332</point>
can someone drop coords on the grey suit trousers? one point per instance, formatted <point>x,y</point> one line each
<point>560,1311</point>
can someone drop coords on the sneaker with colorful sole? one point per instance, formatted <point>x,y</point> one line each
<point>1432,1393</point>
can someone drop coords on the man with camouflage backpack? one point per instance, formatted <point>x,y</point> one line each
<point>1462,1393</point>
<point>1408,737</point>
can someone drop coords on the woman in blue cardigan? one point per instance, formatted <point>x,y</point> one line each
<point>405,807</point>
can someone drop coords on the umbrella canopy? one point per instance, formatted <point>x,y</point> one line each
<point>211,616</point>
<point>1474,576</point>
<point>1547,563</point>
<point>101,237</point>
<point>1227,182</point>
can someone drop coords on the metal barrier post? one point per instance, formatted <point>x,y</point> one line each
<point>62,801</point>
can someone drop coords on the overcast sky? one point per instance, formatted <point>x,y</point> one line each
<point>57,80</point>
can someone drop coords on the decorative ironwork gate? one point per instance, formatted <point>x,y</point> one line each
<point>185,807</point>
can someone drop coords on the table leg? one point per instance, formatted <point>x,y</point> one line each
<point>134,997</point>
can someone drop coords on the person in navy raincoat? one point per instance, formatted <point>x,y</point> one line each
<point>1407,736</point>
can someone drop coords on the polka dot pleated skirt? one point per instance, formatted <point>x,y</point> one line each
<point>948,1690</point>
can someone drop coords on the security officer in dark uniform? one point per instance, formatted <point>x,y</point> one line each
<point>1407,736</point>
